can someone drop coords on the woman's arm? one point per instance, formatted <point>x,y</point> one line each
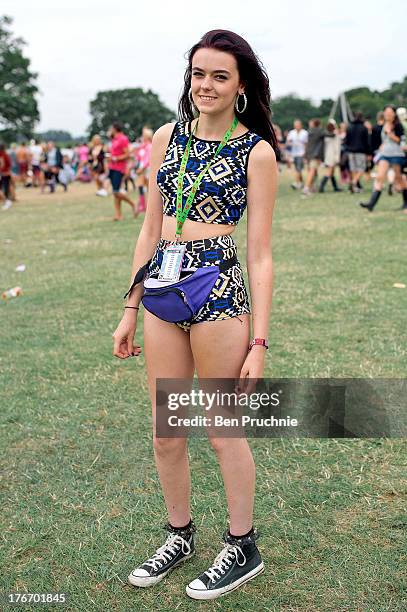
<point>151,230</point>
<point>261,194</point>
<point>394,132</point>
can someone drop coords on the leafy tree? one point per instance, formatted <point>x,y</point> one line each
<point>18,106</point>
<point>325,107</point>
<point>55,135</point>
<point>396,93</point>
<point>365,100</point>
<point>134,108</point>
<point>287,108</point>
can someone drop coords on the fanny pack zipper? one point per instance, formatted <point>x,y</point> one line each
<point>164,290</point>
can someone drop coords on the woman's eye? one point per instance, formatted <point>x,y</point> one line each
<point>219,76</point>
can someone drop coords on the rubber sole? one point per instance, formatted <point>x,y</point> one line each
<point>214,594</point>
<point>152,580</point>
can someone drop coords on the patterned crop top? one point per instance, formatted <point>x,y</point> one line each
<point>221,197</point>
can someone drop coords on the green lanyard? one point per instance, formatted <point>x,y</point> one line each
<point>182,213</point>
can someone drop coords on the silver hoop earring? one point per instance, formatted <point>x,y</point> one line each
<point>190,97</point>
<point>244,103</point>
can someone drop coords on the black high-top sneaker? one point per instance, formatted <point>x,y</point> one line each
<point>177,548</point>
<point>238,562</point>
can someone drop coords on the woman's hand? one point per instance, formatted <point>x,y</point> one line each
<point>123,337</point>
<point>252,369</point>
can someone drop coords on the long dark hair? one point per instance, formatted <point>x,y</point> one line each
<point>257,116</point>
<point>396,120</point>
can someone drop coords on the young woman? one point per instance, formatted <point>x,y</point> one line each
<point>226,86</point>
<point>391,156</point>
<point>143,156</point>
<point>97,164</point>
<point>332,155</point>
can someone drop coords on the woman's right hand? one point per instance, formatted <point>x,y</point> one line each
<point>123,337</point>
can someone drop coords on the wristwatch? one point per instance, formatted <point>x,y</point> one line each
<point>260,341</point>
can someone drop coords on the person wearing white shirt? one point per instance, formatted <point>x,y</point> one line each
<point>36,157</point>
<point>297,139</point>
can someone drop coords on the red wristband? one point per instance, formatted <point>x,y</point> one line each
<point>259,341</point>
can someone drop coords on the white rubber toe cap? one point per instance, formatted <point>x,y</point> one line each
<point>197,585</point>
<point>139,573</point>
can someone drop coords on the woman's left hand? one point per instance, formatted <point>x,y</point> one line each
<point>252,369</point>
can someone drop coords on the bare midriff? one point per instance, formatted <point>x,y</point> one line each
<point>194,230</point>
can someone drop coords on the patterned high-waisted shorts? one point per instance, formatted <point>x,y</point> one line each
<point>228,297</point>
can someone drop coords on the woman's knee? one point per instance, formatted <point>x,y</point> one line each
<point>169,447</point>
<point>227,445</point>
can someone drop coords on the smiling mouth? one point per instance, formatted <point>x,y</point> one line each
<point>207,98</point>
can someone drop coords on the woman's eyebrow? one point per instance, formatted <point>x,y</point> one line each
<point>218,71</point>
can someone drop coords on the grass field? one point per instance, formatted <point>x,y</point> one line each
<point>81,503</point>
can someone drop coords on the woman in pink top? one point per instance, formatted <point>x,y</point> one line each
<point>83,153</point>
<point>143,154</point>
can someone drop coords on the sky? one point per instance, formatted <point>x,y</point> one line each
<point>315,48</point>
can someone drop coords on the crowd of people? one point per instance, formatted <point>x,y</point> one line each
<point>46,166</point>
<point>359,151</point>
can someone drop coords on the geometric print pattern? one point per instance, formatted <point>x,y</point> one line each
<point>228,297</point>
<point>221,197</point>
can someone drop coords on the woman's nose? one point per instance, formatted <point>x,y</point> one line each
<point>206,83</point>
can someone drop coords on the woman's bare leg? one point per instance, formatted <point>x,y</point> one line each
<point>219,349</point>
<point>168,355</point>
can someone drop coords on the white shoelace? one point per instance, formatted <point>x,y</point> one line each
<point>224,560</point>
<point>167,550</point>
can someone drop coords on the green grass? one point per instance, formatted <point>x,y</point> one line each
<point>81,503</point>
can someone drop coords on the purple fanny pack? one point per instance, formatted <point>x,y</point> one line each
<point>180,300</point>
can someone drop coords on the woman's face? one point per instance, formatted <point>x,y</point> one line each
<point>215,81</point>
<point>389,114</point>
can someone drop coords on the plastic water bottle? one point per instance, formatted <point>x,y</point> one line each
<point>11,293</point>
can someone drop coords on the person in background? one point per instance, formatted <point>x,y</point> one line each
<point>297,139</point>
<point>35,162</point>
<point>375,144</point>
<point>97,164</point>
<point>75,159</point>
<point>357,147</point>
<point>314,153</point>
<point>66,174</point>
<point>332,155</point>
<point>83,154</point>
<point>402,115</point>
<point>23,161</point>
<point>130,175</point>
<point>43,165</point>
<point>280,140</point>
<point>119,153</point>
<point>143,154</point>
<point>376,135</point>
<point>5,177</point>
<point>52,166</point>
<point>286,150</point>
<point>344,162</point>
<point>391,156</point>
<point>369,156</point>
